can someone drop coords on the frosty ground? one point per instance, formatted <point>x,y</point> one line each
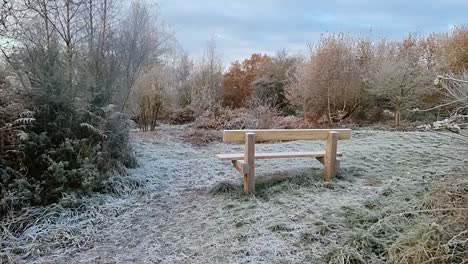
<point>191,209</point>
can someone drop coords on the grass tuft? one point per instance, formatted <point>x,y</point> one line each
<point>279,227</point>
<point>424,243</point>
<point>359,218</point>
<point>344,255</point>
<point>225,188</point>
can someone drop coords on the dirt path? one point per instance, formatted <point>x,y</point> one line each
<point>191,209</point>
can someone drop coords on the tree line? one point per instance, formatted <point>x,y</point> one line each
<point>344,77</point>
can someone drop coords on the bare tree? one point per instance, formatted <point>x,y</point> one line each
<point>100,62</point>
<point>400,76</point>
<point>328,84</point>
<point>183,79</point>
<point>151,96</point>
<point>63,18</point>
<point>208,78</point>
<point>456,89</point>
<point>142,41</point>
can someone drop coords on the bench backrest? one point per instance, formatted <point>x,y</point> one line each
<point>284,134</point>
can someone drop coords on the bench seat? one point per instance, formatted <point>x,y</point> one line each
<point>277,155</point>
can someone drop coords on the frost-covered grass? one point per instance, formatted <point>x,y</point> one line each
<point>191,208</point>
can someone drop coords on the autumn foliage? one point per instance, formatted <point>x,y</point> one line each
<point>343,78</point>
<point>238,80</point>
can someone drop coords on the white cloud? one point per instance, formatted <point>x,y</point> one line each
<point>242,27</point>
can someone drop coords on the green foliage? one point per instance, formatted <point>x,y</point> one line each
<point>68,150</point>
<point>270,91</point>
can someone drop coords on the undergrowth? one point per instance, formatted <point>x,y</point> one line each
<point>406,227</point>
<point>53,154</point>
<point>66,150</point>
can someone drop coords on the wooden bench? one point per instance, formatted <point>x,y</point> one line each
<point>245,162</point>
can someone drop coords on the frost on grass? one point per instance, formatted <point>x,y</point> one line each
<point>38,231</point>
<point>190,207</point>
<point>65,227</point>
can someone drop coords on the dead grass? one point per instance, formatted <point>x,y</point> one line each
<point>397,229</point>
<point>443,237</point>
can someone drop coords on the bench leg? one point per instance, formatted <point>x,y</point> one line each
<point>330,162</point>
<point>249,159</point>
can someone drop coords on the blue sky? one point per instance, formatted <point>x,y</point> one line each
<point>242,27</point>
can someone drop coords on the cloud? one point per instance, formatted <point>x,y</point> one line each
<point>242,27</point>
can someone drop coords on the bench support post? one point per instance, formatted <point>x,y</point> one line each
<point>330,161</point>
<point>249,159</point>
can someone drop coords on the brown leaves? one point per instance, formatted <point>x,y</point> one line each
<point>456,49</point>
<point>238,80</point>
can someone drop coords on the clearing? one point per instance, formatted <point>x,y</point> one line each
<point>191,208</point>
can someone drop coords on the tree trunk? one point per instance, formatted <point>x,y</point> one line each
<point>329,107</point>
<point>398,115</point>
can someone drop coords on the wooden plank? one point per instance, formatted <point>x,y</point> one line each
<point>330,156</point>
<point>284,134</point>
<point>249,158</point>
<point>279,155</point>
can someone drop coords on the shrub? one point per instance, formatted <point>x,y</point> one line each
<point>241,118</point>
<point>265,117</point>
<point>65,150</point>
<point>149,107</point>
<point>294,122</point>
<point>182,116</point>
<point>202,137</point>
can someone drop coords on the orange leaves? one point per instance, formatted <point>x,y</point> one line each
<point>238,80</point>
